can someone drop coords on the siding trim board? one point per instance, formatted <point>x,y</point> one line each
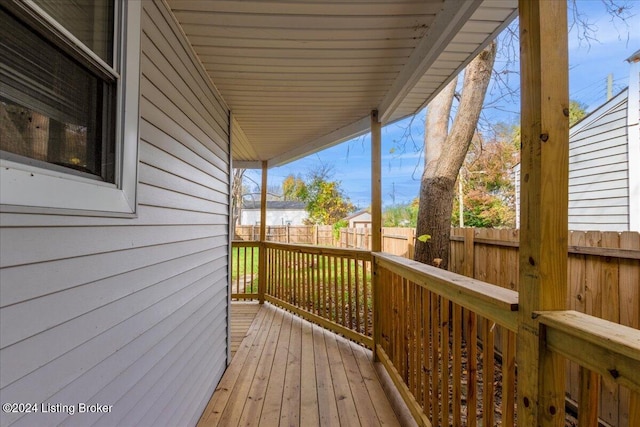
<point>633,123</point>
<point>132,312</point>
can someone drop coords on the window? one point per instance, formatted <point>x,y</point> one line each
<point>69,105</point>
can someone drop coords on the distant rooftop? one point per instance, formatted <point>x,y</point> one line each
<point>276,205</point>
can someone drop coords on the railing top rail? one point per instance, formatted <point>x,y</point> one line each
<point>493,302</point>
<point>245,243</point>
<point>322,250</point>
<point>611,349</point>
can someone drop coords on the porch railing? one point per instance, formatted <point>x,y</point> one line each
<point>245,258</point>
<point>329,286</point>
<point>428,323</point>
<point>606,352</point>
<point>447,341</point>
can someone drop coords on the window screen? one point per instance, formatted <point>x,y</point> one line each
<point>91,21</point>
<point>53,109</point>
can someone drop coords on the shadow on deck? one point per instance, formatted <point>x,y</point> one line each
<point>290,372</point>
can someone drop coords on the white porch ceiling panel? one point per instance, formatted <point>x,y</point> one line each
<point>303,75</point>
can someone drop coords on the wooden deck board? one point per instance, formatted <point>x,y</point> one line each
<point>383,407</point>
<point>344,398</point>
<point>289,372</point>
<point>254,400</point>
<point>309,415</point>
<point>326,397</point>
<point>290,413</point>
<point>222,394</point>
<point>242,316</point>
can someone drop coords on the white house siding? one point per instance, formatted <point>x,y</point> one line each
<point>129,312</point>
<point>598,169</point>
<point>274,217</point>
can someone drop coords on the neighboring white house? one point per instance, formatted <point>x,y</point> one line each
<point>278,213</point>
<point>604,163</point>
<point>360,219</point>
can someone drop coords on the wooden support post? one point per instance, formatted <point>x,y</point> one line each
<point>376,221</point>
<point>262,257</point>
<point>543,206</point>
<point>376,182</point>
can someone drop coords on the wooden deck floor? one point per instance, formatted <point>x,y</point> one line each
<point>289,372</point>
<point>242,316</point>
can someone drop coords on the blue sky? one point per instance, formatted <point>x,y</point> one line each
<point>589,66</point>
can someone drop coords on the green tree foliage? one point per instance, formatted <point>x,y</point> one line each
<point>294,188</point>
<point>326,202</point>
<point>343,223</point>
<point>401,215</point>
<point>577,111</point>
<point>325,199</point>
<point>487,181</point>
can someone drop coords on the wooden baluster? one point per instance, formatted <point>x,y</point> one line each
<point>634,409</point>
<point>425,313</point>
<point>365,297</point>
<point>444,340</point>
<point>435,384</point>
<point>342,292</point>
<point>488,370</point>
<point>356,272</point>
<point>472,369</point>
<point>589,397</point>
<point>508,377</point>
<point>457,365</point>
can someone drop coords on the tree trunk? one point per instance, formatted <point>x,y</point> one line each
<point>444,155</point>
<point>236,196</point>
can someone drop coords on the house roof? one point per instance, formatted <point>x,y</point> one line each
<point>275,205</point>
<point>357,214</point>
<point>635,57</point>
<point>599,112</point>
<point>302,75</point>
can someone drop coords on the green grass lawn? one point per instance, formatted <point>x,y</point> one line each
<point>245,262</point>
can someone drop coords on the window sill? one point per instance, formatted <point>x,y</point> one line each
<point>32,190</point>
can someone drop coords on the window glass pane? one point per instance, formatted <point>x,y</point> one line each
<point>52,109</point>
<point>91,21</point>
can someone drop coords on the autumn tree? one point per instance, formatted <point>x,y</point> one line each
<point>237,194</point>
<point>325,200</point>
<point>294,188</point>
<point>445,151</point>
<point>486,175</point>
<point>487,181</point>
<point>405,215</point>
<point>577,111</point>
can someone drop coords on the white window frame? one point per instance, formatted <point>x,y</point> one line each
<point>30,189</point>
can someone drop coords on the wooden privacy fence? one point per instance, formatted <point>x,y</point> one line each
<point>305,234</point>
<point>395,240</point>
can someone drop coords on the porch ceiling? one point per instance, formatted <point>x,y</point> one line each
<point>300,76</point>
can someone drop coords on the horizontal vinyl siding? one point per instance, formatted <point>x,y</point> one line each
<point>129,312</point>
<point>598,171</point>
